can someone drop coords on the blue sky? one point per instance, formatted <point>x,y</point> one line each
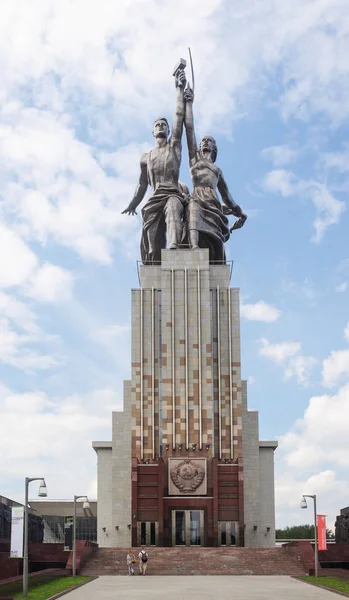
<point>81,85</point>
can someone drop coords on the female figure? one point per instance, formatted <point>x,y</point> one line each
<point>207,223</point>
<point>130,561</point>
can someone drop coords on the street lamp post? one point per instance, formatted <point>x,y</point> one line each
<point>85,505</point>
<point>304,505</point>
<point>42,493</point>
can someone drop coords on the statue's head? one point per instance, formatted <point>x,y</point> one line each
<point>208,144</point>
<point>161,128</point>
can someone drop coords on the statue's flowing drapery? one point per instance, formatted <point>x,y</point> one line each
<point>206,214</point>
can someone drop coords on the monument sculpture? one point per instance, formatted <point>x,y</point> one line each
<point>171,214</point>
<point>163,212</point>
<point>207,223</point>
<point>185,465</point>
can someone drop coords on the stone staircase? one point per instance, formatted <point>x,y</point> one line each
<point>197,561</point>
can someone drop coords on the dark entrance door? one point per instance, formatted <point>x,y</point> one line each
<point>187,527</point>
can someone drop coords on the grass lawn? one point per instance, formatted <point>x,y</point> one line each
<point>43,591</point>
<point>330,582</point>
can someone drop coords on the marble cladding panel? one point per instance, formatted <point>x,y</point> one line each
<point>227,423</point>
<point>179,356</point>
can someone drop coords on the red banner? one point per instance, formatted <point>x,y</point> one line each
<point>321,532</point>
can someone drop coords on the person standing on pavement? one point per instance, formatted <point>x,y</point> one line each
<point>143,561</point>
<point>130,560</point>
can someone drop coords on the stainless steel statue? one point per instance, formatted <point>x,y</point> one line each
<point>163,213</point>
<point>197,220</point>
<point>206,219</point>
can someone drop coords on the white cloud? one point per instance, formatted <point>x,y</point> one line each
<point>14,350</point>
<point>342,287</point>
<point>321,436</point>
<point>346,331</point>
<point>280,155</point>
<point>279,352</point>
<point>17,261</point>
<point>300,367</point>
<point>18,312</point>
<point>291,484</point>
<point>30,446</point>
<point>288,354</point>
<point>260,311</point>
<point>338,161</point>
<point>281,181</point>
<point>50,283</point>
<point>335,367</point>
<point>61,192</point>
<point>29,402</point>
<point>328,208</point>
<point>110,332</point>
<point>312,458</point>
<point>102,55</point>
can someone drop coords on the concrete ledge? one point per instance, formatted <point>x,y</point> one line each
<point>100,445</point>
<point>268,444</point>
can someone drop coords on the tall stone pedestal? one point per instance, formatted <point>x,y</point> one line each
<point>185,466</point>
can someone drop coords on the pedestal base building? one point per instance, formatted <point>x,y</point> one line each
<point>185,465</point>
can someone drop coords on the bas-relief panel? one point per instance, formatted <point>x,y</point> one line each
<point>187,477</point>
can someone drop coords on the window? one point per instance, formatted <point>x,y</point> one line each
<point>223,534</point>
<point>152,534</point>
<point>143,534</point>
<point>232,534</point>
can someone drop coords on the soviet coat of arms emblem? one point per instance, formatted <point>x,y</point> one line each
<point>187,475</point>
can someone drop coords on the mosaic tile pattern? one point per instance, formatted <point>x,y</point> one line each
<point>182,313</point>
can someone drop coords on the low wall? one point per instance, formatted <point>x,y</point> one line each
<point>47,553</point>
<point>9,567</point>
<point>304,552</point>
<point>41,556</point>
<point>335,553</point>
<point>84,550</point>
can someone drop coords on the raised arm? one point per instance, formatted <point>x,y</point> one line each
<point>189,124</point>
<point>140,189</point>
<point>177,126</point>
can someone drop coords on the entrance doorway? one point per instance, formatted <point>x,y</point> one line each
<point>187,527</point>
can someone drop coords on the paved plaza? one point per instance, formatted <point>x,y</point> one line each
<point>199,588</point>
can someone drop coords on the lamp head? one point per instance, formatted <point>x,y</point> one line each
<point>86,504</point>
<point>303,503</point>
<point>42,493</point>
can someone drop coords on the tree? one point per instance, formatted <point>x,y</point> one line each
<point>300,532</point>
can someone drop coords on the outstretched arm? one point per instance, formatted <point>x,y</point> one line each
<point>177,126</point>
<point>140,189</point>
<point>234,209</point>
<point>189,124</point>
<point>230,208</point>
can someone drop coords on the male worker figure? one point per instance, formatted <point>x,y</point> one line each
<point>163,212</point>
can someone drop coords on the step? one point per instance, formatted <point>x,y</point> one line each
<point>196,561</point>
